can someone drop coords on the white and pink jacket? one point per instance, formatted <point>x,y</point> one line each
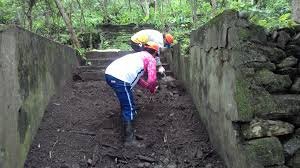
<point>131,67</point>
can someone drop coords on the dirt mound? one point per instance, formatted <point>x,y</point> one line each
<point>82,128</point>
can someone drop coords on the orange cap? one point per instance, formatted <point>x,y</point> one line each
<point>152,45</point>
<point>169,38</point>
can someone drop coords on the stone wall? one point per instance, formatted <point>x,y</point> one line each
<point>32,69</point>
<point>245,85</point>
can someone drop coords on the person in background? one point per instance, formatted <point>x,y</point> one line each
<point>123,74</point>
<point>139,39</point>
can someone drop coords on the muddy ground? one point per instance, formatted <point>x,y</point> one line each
<point>82,128</point>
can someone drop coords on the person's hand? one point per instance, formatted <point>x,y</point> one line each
<point>161,70</point>
<point>153,90</point>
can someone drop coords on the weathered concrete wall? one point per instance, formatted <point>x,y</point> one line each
<point>295,4</point>
<point>233,74</point>
<point>32,69</point>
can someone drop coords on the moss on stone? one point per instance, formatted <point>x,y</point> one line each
<point>220,18</point>
<point>243,97</point>
<point>4,27</point>
<point>272,82</point>
<point>244,34</point>
<point>34,105</point>
<point>265,103</point>
<point>266,151</point>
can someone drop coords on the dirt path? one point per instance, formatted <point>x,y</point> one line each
<point>81,128</point>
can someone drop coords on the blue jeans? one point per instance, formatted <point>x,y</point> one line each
<point>125,96</point>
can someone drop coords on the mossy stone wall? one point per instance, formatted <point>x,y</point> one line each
<point>240,80</point>
<point>32,69</point>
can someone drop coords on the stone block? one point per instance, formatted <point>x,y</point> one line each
<point>288,102</point>
<point>259,128</point>
<point>272,82</point>
<point>292,145</point>
<point>281,166</point>
<point>288,62</point>
<point>294,162</point>
<point>296,86</point>
<point>283,38</point>
<point>266,151</point>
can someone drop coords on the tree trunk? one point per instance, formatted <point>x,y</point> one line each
<point>82,18</point>
<point>213,4</point>
<point>47,14</point>
<point>28,15</point>
<point>145,6</point>
<point>31,4</point>
<point>68,23</point>
<point>194,4</point>
<point>104,6</point>
<point>129,3</point>
<point>91,41</point>
<point>296,10</point>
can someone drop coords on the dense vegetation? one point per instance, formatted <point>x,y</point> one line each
<point>46,18</point>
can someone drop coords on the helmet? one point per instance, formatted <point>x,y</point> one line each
<point>142,39</point>
<point>169,38</point>
<point>152,45</point>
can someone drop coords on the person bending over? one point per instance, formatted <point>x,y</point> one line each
<point>164,40</point>
<point>123,74</point>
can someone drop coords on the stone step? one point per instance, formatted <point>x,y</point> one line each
<point>99,67</point>
<point>104,62</point>
<point>100,61</point>
<point>94,55</point>
<point>93,73</point>
<point>105,54</point>
<point>91,68</point>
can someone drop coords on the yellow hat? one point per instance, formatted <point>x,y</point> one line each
<point>143,39</point>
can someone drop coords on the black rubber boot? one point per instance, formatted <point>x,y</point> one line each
<point>129,138</point>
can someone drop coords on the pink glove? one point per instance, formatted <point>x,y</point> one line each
<point>153,89</point>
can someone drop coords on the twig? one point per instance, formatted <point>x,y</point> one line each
<point>108,145</point>
<point>145,158</point>
<point>84,133</point>
<point>208,154</point>
<point>95,155</point>
<point>50,152</point>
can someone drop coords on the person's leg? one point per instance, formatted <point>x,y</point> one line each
<point>125,97</point>
<point>126,100</point>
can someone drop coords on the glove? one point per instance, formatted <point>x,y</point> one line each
<point>153,90</point>
<point>161,70</point>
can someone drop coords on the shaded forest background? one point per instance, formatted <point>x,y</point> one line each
<point>77,22</point>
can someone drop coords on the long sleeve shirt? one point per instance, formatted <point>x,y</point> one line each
<point>130,68</point>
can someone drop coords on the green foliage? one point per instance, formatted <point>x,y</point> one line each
<point>173,15</point>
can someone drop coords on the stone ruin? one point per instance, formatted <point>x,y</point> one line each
<point>245,83</point>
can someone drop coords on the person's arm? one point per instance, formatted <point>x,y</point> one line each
<point>143,83</point>
<point>150,68</point>
<point>152,79</point>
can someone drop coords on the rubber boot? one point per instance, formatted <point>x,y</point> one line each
<point>129,138</point>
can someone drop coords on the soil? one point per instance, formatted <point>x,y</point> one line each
<point>82,128</point>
